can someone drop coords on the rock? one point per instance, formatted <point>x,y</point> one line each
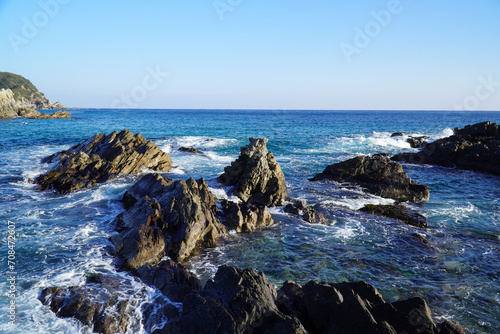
<point>102,158</point>
<point>256,176</point>
<point>417,142</point>
<point>353,308</point>
<point>139,246</point>
<point>183,211</point>
<point>172,279</point>
<point>235,301</point>
<point>306,213</point>
<point>379,175</point>
<point>61,114</point>
<point>398,212</point>
<point>475,147</point>
<point>190,150</point>
<point>8,106</point>
<point>96,304</point>
<point>397,134</point>
<point>27,112</point>
<point>244,217</point>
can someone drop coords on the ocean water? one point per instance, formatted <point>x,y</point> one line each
<point>61,240</point>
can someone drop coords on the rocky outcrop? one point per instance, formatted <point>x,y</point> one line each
<point>475,147</point>
<point>235,301</point>
<point>306,213</point>
<point>256,176</point>
<point>379,175</point>
<point>244,217</point>
<point>190,150</point>
<point>398,212</point>
<point>183,212</point>
<point>102,158</point>
<point>95,304</point>
<point>8,106</point>
<point>175,218</point>
<point>417,142</point>
<point>61,114</point>
<point>355,308</point>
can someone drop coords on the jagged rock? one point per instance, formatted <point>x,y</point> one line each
<point>101,158</point>
<point>398,212</point>
<point>190,150</point>
<point>255,175</point>
<point>475,147</point>
<point>8,106</point>
<point>379,175</point>
<point>183,211</point>
<point>306,213</point>
<point>244,217</point>
<point>235,301</point>
<point>96,304</point>
<point>173,279</point>
<point>417,142</point>
<point>61,114</point>
<point>355,308</point>
<point>139,246</point>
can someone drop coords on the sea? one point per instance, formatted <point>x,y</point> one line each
<point>50,240</point>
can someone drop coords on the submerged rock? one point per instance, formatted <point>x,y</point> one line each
<point>379,175</point>
<point>306,213</point>
<point>101,158</point>
<point>398,212</point>
<point>256,176</point>
<point>190,150</point>
<point>475,147</point>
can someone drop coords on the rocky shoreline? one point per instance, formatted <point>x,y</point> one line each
<point>166,221</point>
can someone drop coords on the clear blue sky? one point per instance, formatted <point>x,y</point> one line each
<point>257,54</point>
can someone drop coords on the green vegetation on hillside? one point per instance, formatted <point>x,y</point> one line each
<point>20,86</point>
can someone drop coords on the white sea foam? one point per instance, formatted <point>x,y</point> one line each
<point>354,204</point>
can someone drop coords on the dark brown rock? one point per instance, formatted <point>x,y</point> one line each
<point>417,142</point>
<point>96,304</point>
<point>398,212</point>
<point>244,217</point>
<point>184,212</point>
<point>101,158</point>
<point>190,150</point>
<point>306,213</point>
<point>379,175</point>
<point>355,308</point>
<point>475,147</point>
<point>256,175</point>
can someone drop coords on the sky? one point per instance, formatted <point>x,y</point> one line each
<point>257,54</point>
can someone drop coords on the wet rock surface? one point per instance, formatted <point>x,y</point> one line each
<point>102,158</point>
<point>306,213</point>
<point>475,147</point>
<point>398,212</point>
<point>256,176</point>
<point>378,175</point>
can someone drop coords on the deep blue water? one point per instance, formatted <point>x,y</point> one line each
<point>60,240</point>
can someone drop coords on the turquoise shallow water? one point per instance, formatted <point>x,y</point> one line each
<point>61,240</point>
